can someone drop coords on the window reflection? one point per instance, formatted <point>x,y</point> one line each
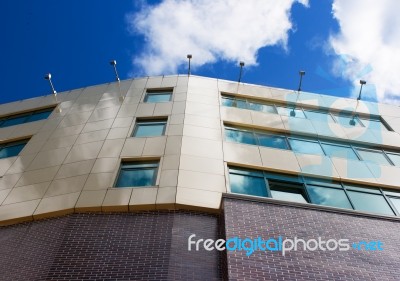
<point>250,185</point>
<point>304,146</point>
<point>373,156</point>
<point>134,174</point>
<point>240,136</point>
<point>373,203</point>
<point>272,141</point>
<point>340,151</point>
<point>328,196</point>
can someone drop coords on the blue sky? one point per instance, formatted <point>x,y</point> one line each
<point>74,40</point>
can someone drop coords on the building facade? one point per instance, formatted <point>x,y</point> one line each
<point>111,181</point>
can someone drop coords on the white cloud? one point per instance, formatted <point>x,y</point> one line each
<point>210,30</point>
<point>369,37</point>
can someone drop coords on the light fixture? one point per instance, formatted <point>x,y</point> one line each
<point>241,64</point>
<point>302,73</point>
<point>114,64</point>
<point>362,83</point>
<point>48,78</point>
<point>189,56</point>
<point>352,121</point>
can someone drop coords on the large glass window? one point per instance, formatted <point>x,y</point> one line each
<point>290,111</point>
<point>395,158</point>
<point>158,96</point>
<point>287,192</point>
<point>394,198</point>
<point>326,196</point>
<point>372,202</point>
<point>134,174</point>
<point>318,116</point>
<point>373,156</point>
<point>150,128</point>
<point>246,182</point>
<point>262,107</point>
<point>25,117</point>
<point>240,136</point>
<point>341,151</point>
<point>317,191</point>
<point>374,124</point>
<point>272,141</point>
<point>347,120</point>
<point>11,149</point>
<point>305,146</point>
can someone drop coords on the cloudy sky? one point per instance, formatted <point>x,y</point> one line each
<point>336,42</point>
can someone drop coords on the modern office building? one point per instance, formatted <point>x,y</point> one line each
<point>121,181</point>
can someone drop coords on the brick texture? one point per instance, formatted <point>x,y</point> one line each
<point>126,246</point>
<point>253,219</point>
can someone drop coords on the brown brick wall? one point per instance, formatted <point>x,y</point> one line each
<point>126,246</point>
<point>253,219</point>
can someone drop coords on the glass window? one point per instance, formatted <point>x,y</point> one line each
<point>247,184</point>
<point>290,111</point>
<point>158,96</point>
<point>239,103</point>
<point>39,116</point>
<point>240,136</point>
<point>304,146</point>
<point>137,174</point>
<point>318,116</point>
<point>25,117</point>
<point>272,141</point>
<point>374,124</point>
<point>394,198</point>
<point>373,156</point>
<point>228,101</point>
<point>341,151</point>
<point>287,192</point>
<point>328,196</point>
<point>262,107</point>
<point>368,202</point>
<point>348,121</point>
<point>13,121</point>
<point>395,158</point>
<point>150,128</point>
<point>396,203</point>
<point>234,102</point>
<point>11,149</point>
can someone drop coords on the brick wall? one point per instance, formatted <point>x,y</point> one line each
<point>126,246</point>
<point>253,219</point>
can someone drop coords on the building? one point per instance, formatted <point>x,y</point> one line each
<point>112,181</point>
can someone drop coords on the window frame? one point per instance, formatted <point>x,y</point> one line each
<point>254,132</point>
<point>149,121</point>
<point>303,183</point>
<point>155,92</point>
<point>26,116</point>
<point>7,144</point>
<point>144,162</point>
<point>333,115</point>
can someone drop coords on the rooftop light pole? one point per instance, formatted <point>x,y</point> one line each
<point>113,63</point>
<point>352,122</point>
<point>48,78</point>
<point>302,73</point>
<point>189,56</point>
<point>241,64</point>
<point>362,83</point>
